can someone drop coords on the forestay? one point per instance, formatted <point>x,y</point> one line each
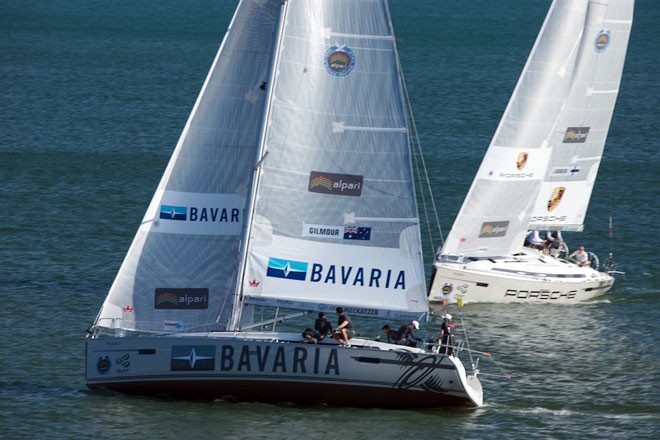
<point>550,139</point>
<point>181,269</point>
<point>335,217</point>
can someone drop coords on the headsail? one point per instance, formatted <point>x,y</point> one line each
<point>335,217</point>
<point>181,269</point>
<point>567,86</point>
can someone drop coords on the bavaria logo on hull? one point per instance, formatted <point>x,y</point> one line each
<point>192,357</point>
<point>371,277</point>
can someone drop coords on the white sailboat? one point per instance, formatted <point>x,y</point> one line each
<point>290,187</point>
<point>539,170</point>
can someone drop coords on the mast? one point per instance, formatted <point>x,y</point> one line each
<point>261,156</point>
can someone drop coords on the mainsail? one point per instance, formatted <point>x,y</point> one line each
<point>180,271</point>
<point>334,215</point>
<point>550,140</point>
<point>579,137</point>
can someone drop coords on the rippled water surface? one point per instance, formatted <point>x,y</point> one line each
<point>95,95</point>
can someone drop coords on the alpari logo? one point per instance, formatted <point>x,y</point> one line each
<point>200,214</point>
<point>576,135</point>
<point>193,298</point>
<point>493,229</point>
<point>339,61</point>
<point>358,276</point>
<point>338,184</point>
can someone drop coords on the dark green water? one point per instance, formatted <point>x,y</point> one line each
<point>94,96</point>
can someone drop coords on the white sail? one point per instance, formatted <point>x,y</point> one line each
<point>291,186</point>
<point>180,271</point>
<point>568,84</point>
<point>335,217</point>
<point>579,137</point>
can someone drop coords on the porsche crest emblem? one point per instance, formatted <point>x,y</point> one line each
<point>521,161</point>
<point>555,197</point>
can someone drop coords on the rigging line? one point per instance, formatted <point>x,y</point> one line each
<point>423,167</point>
<point>467,342</point>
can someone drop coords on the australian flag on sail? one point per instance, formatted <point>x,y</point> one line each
<point>356,233</point>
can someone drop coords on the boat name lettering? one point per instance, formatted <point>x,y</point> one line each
<point>214,215</point>
<point>265,360</point>
<point>540,294</point>
<point>361,311</point>
<point>324,231</point>
<point>548,218</point>
<point>355,276</point>
<point>200,214</point>
<point>516,175</point>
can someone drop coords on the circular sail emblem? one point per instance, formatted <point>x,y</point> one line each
<point>447,288</point>
<point>103,364</point>
<point>602,40</point>
<point>339,61</point>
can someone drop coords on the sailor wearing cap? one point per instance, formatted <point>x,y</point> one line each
<point>406,334</point>
<point>446,336</point>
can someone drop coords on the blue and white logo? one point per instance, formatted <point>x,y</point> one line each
<point>289,269</point>
<point>193,357</point>
<point>170,212</point>
<point>345,275</point>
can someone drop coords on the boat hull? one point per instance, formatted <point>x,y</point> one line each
<point>520,279</point>
<point>251,367</point>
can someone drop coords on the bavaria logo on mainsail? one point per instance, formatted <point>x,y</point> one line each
<point>333,274</point>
